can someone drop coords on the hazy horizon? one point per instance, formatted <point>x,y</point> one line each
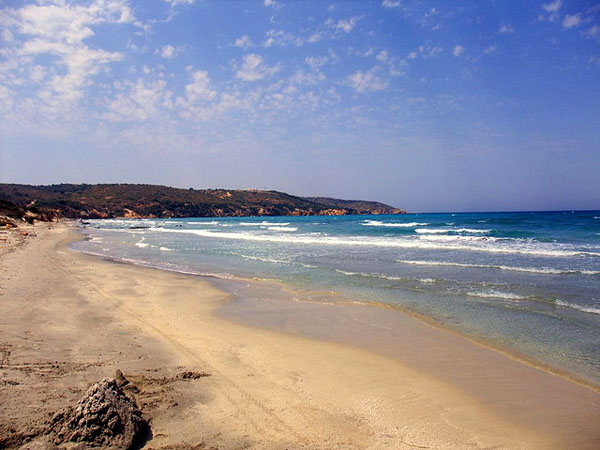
<point>429,107</point>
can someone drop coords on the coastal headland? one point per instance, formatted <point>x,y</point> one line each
<point>69,319</point>
<point>101,201</point>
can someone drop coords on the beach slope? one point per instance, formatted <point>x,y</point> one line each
<point>67,320</point>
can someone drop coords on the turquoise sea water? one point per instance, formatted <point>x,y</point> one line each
<point>525,282</point>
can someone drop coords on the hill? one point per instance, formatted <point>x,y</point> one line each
<point>87,201</point>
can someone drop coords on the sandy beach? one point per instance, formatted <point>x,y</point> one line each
<point>68,319</point>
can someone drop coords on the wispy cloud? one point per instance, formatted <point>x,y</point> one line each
<point>271,3</point>
<point>552,7</point>
<point>345,25</point>
<point>254,68</point>
<point>490,49</point>
<point>281,38</point>
<point>391,3</point>
<point>458,50</point>
<point>506,29</point>
<point>167,52</point>
<point>60,31</point>
<point>244,42</point>
<point>571,21</point>
<point>137,101</point>
<point>366,81</point>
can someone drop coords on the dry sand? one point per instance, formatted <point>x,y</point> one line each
<point>67,320</point>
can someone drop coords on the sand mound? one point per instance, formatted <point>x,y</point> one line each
<point>104,417</point>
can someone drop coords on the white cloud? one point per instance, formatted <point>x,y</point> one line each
<point>302,77</point>
<point>426,52</point>
<point>244,42</point>
<point>552,7</point>
<point>592,32</point>
<point>168,52</point>
<point>315,37</point>
<point>37,73</point>
<point>316,61</point>
<point>346,25</point>
<point>271,3</point>
<point>382,56</point>
<point>200,88</point>
<point>571,21</point>
<point>391,3</point>
<point>506,29</point>
<point>458,50</point>
<point>490,49</point>
<point>142,101</point>
<point>60,30</point>
<point>254,68</point>
<point>366,81</point>
<point>280,38</point>
<point>174,3</point>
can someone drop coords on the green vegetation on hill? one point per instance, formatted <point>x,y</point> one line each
<point>142,200</point>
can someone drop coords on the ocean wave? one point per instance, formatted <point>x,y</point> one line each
<point>141,244</point>
<point>428,280</point>
<point>450,230</point>
<point>582,308</point>
<point>282,228</point>
<point>443,237</point>
<point>363,241</point>
<point>262,259</point>
<point>165,249</point>
<point>496,294</point>
<point>212,222</point>
<point>370,275</point>
<point>263,223</point>
<point>540,270</point>
<point>378,223</point>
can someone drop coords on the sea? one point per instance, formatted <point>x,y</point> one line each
<point>527,283</point>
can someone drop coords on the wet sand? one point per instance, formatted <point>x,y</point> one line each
<point>68,319</point>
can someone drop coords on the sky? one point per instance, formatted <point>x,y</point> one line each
<point>425,105</point>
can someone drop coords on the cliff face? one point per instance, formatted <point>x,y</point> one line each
<point>151,201</point>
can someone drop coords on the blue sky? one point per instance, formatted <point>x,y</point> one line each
<point>427,105</point>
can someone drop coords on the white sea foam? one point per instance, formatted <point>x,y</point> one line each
<point>528,248</point>
<point>540,270</point>
<point>263,223</point>
<point>378,223</point>
<point>370,275</point>
<point>443,237</point>
<point>282,228</point>
<point>165,249</point>
<point>450,230</point>
<point>141,244</point>
<point>583,308</point>
<point>432,230</point>
<point>496,294</point>
<point>258,258</point>
<point>212,222</point>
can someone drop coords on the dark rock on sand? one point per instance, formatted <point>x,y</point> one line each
<point>104,417</point>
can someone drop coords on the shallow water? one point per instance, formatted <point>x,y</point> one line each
<point>526,282</point>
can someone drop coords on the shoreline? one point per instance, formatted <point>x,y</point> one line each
<point>267,390</point>
<point>341,302</point>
